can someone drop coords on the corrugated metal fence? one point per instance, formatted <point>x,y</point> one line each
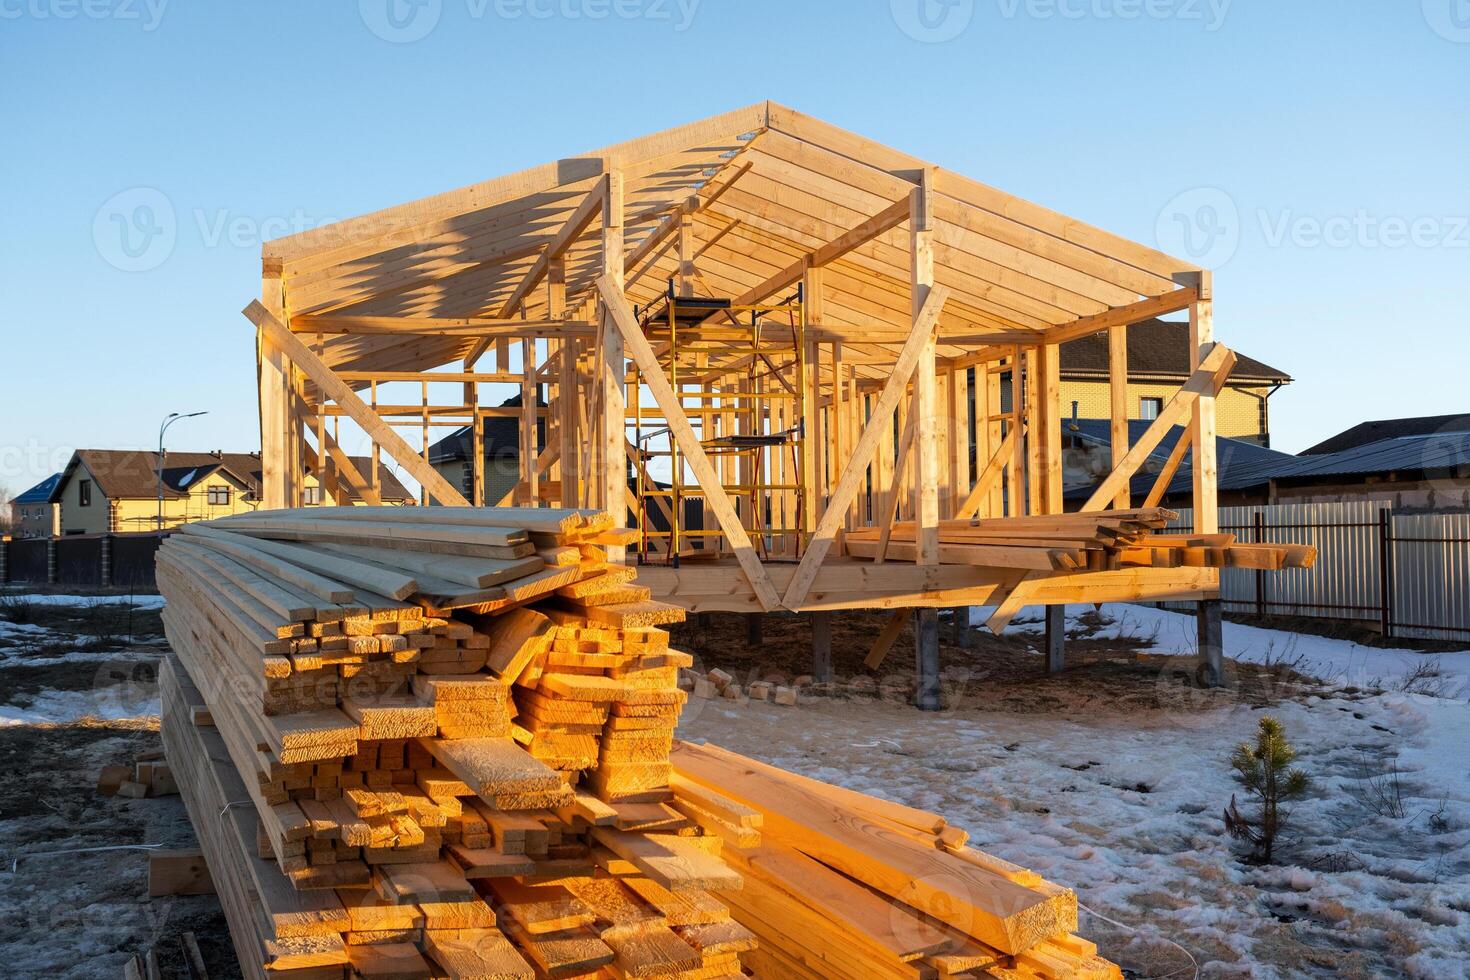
<point>1424,558</point>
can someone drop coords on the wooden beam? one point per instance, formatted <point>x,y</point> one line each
<point>610,286</point>
<point>855,473</point>
<point>1202,422</point>
<point>467,326</point>
<point>989,477</point>
<point>611,428</point>
<point>1171,466</point>
<point>1145,309</point>
<point>1209,377</point>
<point>889,635</point>
<point>592,205</point>
<point>926,401</point>
<point>337,390</point>
<point>1118,402</point>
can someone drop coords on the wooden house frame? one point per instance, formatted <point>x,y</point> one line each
<point>921,296</point>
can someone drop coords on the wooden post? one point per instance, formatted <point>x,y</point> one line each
<point>753,623</point>
<point>1210,620</point>
<point>612,435</point>
<point>1049,396</point>
<point>273,377</point>
<point>821,647</point>
<point>477,443</point>
<point>52,565</point>
<point>1202,422</point>
<point>4,558</point>
<point>1118,403</point>
<point>1056,639</point>
<point>925,450</point>
<point>529,418</point>
<point>104,561</point>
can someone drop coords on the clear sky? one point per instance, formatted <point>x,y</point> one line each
<point>1315,152</point>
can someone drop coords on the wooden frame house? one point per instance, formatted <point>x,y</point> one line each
<point>753,336</point>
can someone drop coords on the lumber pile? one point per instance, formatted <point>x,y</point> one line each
<point>1094,541</point>
<point>838,884</point>
<point>424,742</point>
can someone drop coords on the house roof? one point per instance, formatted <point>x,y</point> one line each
<point>1241,463</point>
<point>1156,348</point>
<point>502,438</point>
<point>40,493</point>
<point>123,474</point>
<point>1366,432</point>
<point>766,185</point>
<point>1440,450</point>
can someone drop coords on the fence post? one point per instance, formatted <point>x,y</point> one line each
<point>1385,572</point>
<point>104,558</point>
<point>52,570</point>
<point>1260,572</point>
<point>4,558</point>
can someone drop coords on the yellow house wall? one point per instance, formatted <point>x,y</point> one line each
<point>1237,410</point>
<point>141,513</point>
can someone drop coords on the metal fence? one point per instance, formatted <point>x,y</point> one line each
<point>1423,558</point>
<point>121,560</point>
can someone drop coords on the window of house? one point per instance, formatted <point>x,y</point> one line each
<point>311,496</point>
<point>84,493</point>
<point>219,495</point>
<point>1149,408</point>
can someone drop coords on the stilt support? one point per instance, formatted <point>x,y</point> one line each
<point>1211,622</point>
<point>926,659</point>
<point>1056,639</point>
<point>753,629</point>
<point>821,647</point>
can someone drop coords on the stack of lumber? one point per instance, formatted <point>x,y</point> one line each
<point>838,884</point>
<point>435,743</point>
<point>1094,541</point>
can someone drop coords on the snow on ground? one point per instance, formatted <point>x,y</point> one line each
<point>127,702</point>
<point>1339,662</point>
<point>1125,807</point>
<point>39,599</point>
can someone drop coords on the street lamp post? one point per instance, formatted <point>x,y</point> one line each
<point>168,420</point>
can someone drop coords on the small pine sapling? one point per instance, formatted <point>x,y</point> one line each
<point>1264,769</point>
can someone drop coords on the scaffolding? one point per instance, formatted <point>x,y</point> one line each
<point>752,422</point>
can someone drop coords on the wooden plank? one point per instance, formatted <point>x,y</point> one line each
<point>1118,402</point>
<point>889,635</point>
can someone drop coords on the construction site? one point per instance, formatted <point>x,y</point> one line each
<point>761,663</point>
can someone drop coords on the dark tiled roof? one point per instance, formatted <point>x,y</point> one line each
<point>1366,432</point>
<point>41,492</point>
<point>1156,348</point>
<point>1241,464</point>
<point>1440,451</point>
<point>389,487</point>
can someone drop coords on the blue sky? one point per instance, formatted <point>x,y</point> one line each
<point>1317,153</point>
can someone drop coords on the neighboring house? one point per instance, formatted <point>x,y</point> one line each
<point>1158,363</point>
<point>33,513</point>
<point>1367,432</point>
<point>452,455</point>
<point>1429,471</point>
<point>1244,466</point>
<point>109,490</point>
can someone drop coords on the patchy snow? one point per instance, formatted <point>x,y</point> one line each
<point>1371,879</point>
<point>1342,663</point>
<point>143,601</point>
<point>127,702</point>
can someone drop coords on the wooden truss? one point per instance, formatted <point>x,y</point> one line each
<point>933,307</point>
